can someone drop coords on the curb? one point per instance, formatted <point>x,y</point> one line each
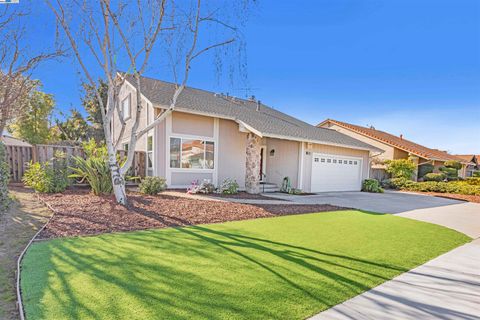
<point>19,260</point>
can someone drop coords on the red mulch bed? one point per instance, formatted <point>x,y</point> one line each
<point>81,213</point>
<point>469,198</point>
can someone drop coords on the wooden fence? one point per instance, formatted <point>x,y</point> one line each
<point>19,156</point>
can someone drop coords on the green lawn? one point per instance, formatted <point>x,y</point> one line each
<point>284,268</point>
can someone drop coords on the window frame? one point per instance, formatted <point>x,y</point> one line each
<point>129,99</point>
<point>192,170</point>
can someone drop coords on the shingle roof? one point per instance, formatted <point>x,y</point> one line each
<point>11,141</point>
<point>398,142</point>
<point>267,121</point>
<point>469,157</point>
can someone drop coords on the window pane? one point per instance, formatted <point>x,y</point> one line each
<point>126,107</point>
<point>192,154</point>
<point>209,152</point>
<point>150,143</point>
<point>175,152</point>
<point>149,160</point>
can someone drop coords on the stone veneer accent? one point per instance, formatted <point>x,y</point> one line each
<point>252,172</point>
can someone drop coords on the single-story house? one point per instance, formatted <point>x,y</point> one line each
<point>214,136</point>
<point>474,163</point>
<point>395,147</point>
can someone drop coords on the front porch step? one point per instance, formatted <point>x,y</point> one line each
<point>269,188</point>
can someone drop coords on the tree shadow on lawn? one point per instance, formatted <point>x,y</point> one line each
<point>195,272</point>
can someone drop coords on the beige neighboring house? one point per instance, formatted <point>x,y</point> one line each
<point>474,163</point>
<point>395,147</point>
<point>214,137</point>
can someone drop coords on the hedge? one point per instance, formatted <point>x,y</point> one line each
<point>467,187</point>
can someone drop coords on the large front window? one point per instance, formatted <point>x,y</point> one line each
<point>191,153</point>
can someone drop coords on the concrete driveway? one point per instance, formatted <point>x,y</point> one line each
<point>458,215</point>
<point>447,287</point>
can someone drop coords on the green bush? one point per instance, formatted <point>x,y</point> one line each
<point>4,179</point>
<point>397,183</point>
<point>476,174</point>
<point>474,181</point>
<point>453,164</point>
<point>152,185</point>
<point>401,168</point>
<point>425,169</point>
<point>95,169</point>
<point>228,186</point>
<point>47,177</point>
<point>372,185</point>
<point>458,187</point>
<point>434,177</point>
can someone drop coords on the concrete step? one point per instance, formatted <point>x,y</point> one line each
<point>269,187</point>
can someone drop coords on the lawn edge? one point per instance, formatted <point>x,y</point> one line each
<point>20,307</point>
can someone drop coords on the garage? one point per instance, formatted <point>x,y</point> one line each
<point>336,173</point>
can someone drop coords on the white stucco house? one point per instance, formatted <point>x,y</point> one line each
<point>213,136</point>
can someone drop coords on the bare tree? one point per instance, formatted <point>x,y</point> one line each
<point>16,65</point>
<point>131,33</point>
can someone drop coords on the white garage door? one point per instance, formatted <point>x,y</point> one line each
<point>336,173</point>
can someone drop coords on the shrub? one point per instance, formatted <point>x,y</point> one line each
<point>476,174</point>
<point>400,168</point>
<point>458,187</point>
<point>474,181</point>
<point>47,177</point>
<point>228,186</point>
<point>425,169</point>
<point>152,185</point>
<point>372,185</point>
<point>453,164</point>
<point>295,191</point>
<point>205,187</point>
<point>95,169</point>
<point>4,179</point>
<point>397,183</point>
<point>434,177</point>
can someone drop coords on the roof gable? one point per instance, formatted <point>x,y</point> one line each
<point>395,141</point>
<point>257,116</point>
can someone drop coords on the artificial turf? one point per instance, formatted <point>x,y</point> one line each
<point>287,267</point>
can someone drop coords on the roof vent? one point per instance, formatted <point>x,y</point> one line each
<point>372,127</point>
<point>401,136</point>
<point>252,98</point>
<point>258,105</point>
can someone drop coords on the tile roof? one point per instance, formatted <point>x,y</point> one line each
<point>266,121</point>
<point>474,158</point>
<point>398,142</point>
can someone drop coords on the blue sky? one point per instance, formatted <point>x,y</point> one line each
<point>404,66</point>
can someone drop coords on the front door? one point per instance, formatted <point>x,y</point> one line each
<point>263,153</point>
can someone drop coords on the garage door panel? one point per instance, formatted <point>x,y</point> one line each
<point>335,173</point>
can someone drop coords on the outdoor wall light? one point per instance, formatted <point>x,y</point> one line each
<point>272,152</point>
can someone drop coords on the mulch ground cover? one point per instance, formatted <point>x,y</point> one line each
<point>469,198</point>
<point>80,213</point>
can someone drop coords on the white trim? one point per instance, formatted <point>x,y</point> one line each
<point>168,132</point>
<point>133,87</point>
<point>301,159</point>
<point>177,109</point>
<point>216,136</point>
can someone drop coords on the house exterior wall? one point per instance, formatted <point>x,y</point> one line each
<point>319,148</point>
<point>284,162</point>
<point>231,147</point>
<point>184,125</point>
<point>128,91</point>
<point>389,151</point>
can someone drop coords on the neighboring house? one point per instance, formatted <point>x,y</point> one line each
<point>474,163</point>
<point>214,137</point>
<point>11,141</point>
<point>395,147</point>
